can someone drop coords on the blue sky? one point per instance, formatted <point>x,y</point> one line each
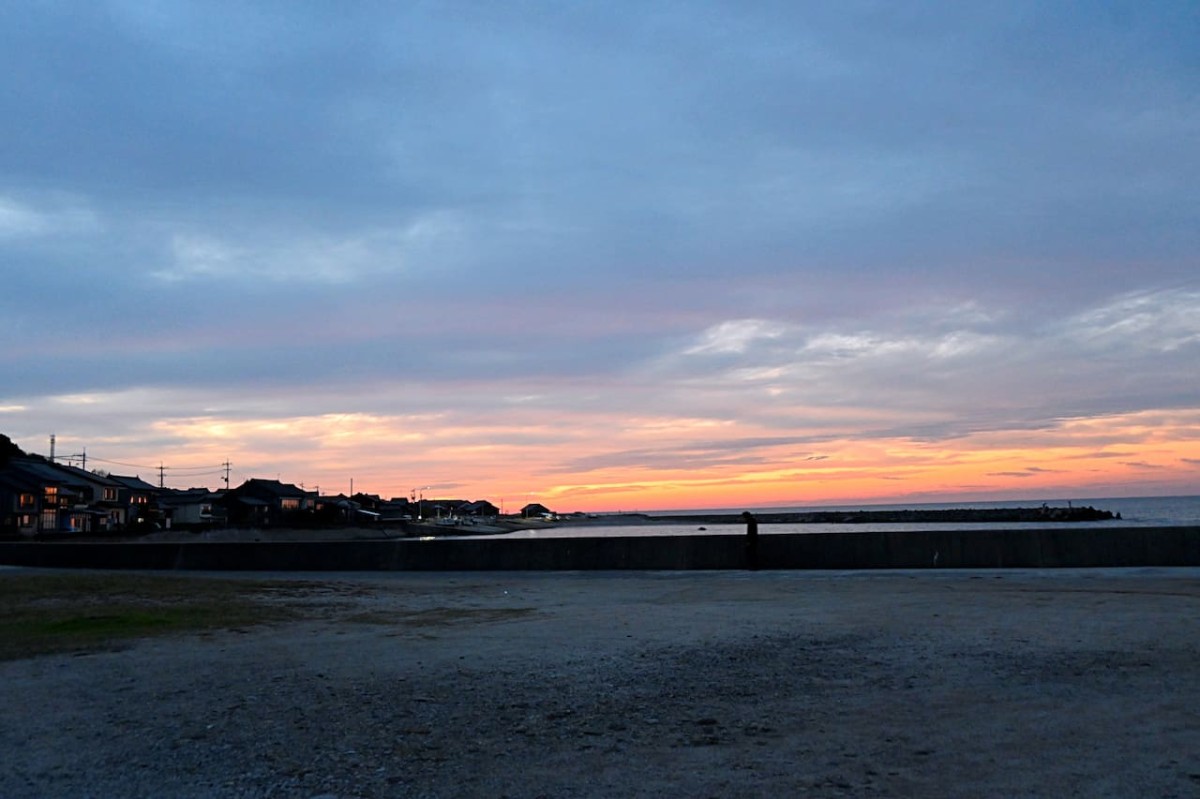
<point>594,252</point>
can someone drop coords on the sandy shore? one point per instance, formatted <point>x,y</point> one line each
<point>724,684</point>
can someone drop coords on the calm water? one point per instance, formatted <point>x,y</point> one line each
<point>1135,512</point>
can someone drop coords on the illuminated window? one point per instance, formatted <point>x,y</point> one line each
<point>28,500</point>
<point>290,503</point>
<point>110,495</point>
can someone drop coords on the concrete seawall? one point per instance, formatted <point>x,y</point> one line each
<point>1025,548</point>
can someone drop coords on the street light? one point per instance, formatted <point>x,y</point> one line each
<point>420,494</point>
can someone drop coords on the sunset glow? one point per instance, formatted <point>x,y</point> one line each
<point>642,259</point>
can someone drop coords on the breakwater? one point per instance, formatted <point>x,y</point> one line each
<point>1040,514</point>
<point>1017,548</point>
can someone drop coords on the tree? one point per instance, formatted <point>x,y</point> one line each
<point>8,450</point>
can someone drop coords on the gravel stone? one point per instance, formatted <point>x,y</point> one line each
<point>724,684</point>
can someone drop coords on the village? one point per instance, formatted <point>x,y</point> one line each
<point>42,497</point>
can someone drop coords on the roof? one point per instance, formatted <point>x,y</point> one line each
<point>134,483</point>
<point>189,497</point>
<point>43,471</point>
<point>273,487</point>
<point>477,505</point>
<point>82,474</point>
<point>19,480</point>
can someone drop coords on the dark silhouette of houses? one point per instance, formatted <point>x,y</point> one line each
<point>193,508</point>
<point>480,508</point>
<point>23,498</point>
<point>266,503</point>
<point>40,497</point>
<point>140,500</point>
<point>536,510</point>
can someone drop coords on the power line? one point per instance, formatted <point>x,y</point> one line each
<point>213,468</point>
<point>122,463</point>
<point>182,472</point>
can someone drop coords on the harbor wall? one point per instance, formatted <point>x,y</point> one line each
<point>1023,548</point>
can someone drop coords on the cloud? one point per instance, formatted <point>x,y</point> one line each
<point>1031,471</point>
<point>735,336</point>
<point>964,370</point>
<point>671,454</point>
<point>23,220</point>
<point>652,239</point>
<point>1165,321</point>
<point>305,258</point>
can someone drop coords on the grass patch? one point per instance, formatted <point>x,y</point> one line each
<point>48,613</point>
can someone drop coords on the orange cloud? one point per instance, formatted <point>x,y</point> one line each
<point>598,461</point>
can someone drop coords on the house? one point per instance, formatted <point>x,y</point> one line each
<point>110,509</point>
<point>192,507</point>
<point>367,501</point>
<point>20,503</point>
<point>140,500</point>
<point>264,503</point>
<point>479,509</point>
<point>397,509</point>
<point>437,508</point>
<point>536,510</point>
<point>341,509</point>
<point>40,497</point>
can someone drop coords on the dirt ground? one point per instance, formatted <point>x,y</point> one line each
<point>683,684</point>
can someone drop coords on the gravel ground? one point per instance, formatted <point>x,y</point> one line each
<point>721,684</point>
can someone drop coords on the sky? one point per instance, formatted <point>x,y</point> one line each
<point>618,256</point>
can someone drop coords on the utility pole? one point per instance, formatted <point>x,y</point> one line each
<point>52,448</point>
<point>161,468</point>
<point>227,464</point>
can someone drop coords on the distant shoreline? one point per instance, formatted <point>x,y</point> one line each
<point>1042,513</point>
<point>503,526</point>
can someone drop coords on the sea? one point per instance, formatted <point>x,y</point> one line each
<point>1183,511</point>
